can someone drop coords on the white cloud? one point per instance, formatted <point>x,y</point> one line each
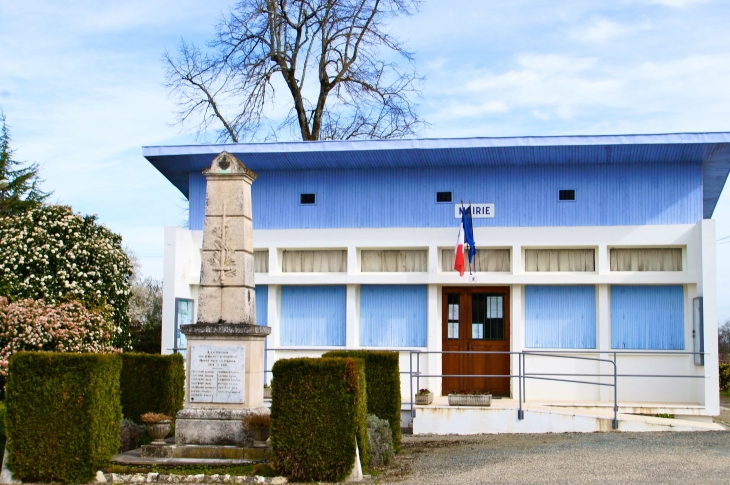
<point>562,83</point>
<point>555,63</point>
<point>436,64</point>
<point>467,110</point>
<point>602,30</point>
<point>548,87</point>
<point>677,3</point>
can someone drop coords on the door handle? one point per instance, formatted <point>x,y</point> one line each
<point>468,347</point>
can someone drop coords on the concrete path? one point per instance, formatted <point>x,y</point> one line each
<point>586,458</point>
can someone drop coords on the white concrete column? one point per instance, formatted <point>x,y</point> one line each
<point>517,260</point>
<point>603,259</point>
<point>603,338</point>
<point>432,363</point>
<point>168,292</point>
<point>353,263</point>
<point>352,320</point>
<point>603,329</point>
<point>433,260</point>
<point>274,265</point>
<point>707,288</point>
<point>517,334</point>
<point>603,325</point>
<point>181,270</point>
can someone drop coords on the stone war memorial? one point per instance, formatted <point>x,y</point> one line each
<point>225,364</point>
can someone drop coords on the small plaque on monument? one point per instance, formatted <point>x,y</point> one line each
<point>217,374</point>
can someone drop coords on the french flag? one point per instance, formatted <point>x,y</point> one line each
<point>459,251</point>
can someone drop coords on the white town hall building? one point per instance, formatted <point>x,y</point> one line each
<point>590,249</point>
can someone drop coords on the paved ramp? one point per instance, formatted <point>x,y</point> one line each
<point>501,417</point>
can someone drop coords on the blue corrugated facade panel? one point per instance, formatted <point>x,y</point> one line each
<point>313,315</point>
<point>647,317</point>
<point>262,305</point>
<point>393,315</point>
<point>262,316</point>
<point>524,195</point>
<point>710,150</point>
<point>560,317</point>
<point>196,203</point>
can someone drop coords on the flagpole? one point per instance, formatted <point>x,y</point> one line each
<point>470,261</point>
<point>463,215</point>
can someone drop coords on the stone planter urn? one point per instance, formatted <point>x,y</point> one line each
<point>158,432</point>
<point>259,435</point>
<point>470,399</point>
<point>267,392</point>
<point>424,399</point>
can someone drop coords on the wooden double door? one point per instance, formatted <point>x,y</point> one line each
<point>476,319</point>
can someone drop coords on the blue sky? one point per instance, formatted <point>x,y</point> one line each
<point>81,84</point>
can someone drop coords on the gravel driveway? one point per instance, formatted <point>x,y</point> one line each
<point>605,458</point>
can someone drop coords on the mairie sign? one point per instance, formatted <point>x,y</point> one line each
<point>478,211</point>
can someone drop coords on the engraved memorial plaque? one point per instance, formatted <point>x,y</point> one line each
<point>217,374</point>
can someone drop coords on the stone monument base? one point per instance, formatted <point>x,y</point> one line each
<point>193,451</point>
<point>206,452</point>
<point>224,383</point>
<point>214,426</point>
<point>259,453</point>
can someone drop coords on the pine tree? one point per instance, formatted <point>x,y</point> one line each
<point>23,191</point>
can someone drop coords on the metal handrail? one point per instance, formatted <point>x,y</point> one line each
<point>523,375</point>
<point>626,351</point>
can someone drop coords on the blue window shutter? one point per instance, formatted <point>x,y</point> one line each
<point>560,317</point>
<point>393,315</point>
<point>313,315</point>
<point>647,317</point>
<point>262,305</point>
<point>262,316</point>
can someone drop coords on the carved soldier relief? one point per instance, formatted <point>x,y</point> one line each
<point>223,261</point>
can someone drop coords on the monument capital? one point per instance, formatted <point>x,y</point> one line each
<point>228,166</point>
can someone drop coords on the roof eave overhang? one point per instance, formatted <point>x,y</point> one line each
<point>712,150</point>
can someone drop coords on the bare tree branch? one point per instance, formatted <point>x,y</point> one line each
<point>338,45</point>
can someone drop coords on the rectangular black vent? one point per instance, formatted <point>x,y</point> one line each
<point>443,196</point>
<point>306,199</point>
<point>566,194</point>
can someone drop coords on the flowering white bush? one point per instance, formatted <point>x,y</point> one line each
<point>67,327</point>
<point>50,253</point>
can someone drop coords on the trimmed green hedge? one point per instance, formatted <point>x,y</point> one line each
<point>318,415</point>
<point>2,425</point>
<point>152,383</point>
<point>724,377</point>
<point>63,415</point>
<point>382,372</point>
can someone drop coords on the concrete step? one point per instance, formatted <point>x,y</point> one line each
<point>129,458</point>
<point>172,455</point>
<point>193,451</point>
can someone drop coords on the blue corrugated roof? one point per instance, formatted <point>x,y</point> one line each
<point>710,149</point>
